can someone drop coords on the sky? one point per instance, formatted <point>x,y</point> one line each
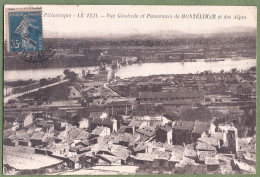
<point>104,26</point>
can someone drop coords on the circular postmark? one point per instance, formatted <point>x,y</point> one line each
<point>35,56</point>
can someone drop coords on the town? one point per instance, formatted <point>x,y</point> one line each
<point>203,123</point>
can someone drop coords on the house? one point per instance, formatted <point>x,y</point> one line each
<point>73,161</point>
<point>101,131</point>
<point>60,150</point>
<point>104,159</point>
<point>140,147</point>
<point>24,120</point>
<point>76,134</point>
<point>182,132</point>
<point>126,129</point>
<point>161,158</point>
<point>37,139</point>
<point>241,166</point>
<point>204,146</point>
<point>136,124</point>
<point>164,134</point>
<point>9,138</point>
<point>200,128</point>
<point>212,163</point>
<point>146,133</point>
<point>176,157</point>
<point>202,155</point>
<point>118,151</point>
<point>191,153</point>
<point>211,140</point>
<point>61,136</point>
<point>103,122</point>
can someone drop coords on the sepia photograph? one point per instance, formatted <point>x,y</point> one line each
<point>129,90</point>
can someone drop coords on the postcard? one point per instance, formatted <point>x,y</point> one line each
<point>129,89</point>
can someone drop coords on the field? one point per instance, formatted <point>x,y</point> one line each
<point>23,158</point>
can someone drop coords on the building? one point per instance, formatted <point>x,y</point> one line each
<point>107,122</point>
<point>172,98</point>
<point>24,120</point>
<point>164,134</point>
<point>120,107</point>
<point>182,132</point>
<point>231,137</point>
<point>101,131</point>
<point>200,128</point>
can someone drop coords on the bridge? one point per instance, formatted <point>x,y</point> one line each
<point>6,99</point>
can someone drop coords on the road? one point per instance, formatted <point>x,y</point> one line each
<point>6,99</point>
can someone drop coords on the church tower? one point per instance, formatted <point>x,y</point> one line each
<point>232,139</point>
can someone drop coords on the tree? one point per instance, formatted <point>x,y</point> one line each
<point>66,72</point>
<point>75,120</point>
<point>234,70</point>
<point>43,82</point>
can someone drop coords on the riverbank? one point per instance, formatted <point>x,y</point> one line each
<point>138,69</point>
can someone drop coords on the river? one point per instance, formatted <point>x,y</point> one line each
<point>140,69</point>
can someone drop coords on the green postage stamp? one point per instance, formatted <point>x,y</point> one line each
<point>129,89</point>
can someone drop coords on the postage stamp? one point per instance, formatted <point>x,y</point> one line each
<point>24,29</point>
<point>130,90</point>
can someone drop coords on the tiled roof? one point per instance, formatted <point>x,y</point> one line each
<point>147,131</point>
<point>218,135</point>
<point>98,130</point>
<point>176,157</point>
<point>119,103</point>
<point>211,161</point>
<point>116,150</point>
<point>127,137</point>
<point>190,153</point>
<point>161,155</point>
<point>210,140</point>
<point>140,147</point>
<point>48,139</point>
<point>38,136</point>
<point>77,134</point>
<point>110,158</point>
<point>203,154</point>
<point>8,133</point>
<point>166,128</point>
<point>244,166</point>
<point>205,146</point>
<point>187,161</point>
<point>144,157</point>
<point>122,129</point>
<point>171,94</point>
<point>135,123</point>
<point>23,135</point>
<point>175,148</point>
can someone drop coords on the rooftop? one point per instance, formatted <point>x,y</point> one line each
<point>171,94</point>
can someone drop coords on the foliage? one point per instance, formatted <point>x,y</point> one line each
<point>201,114</point>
